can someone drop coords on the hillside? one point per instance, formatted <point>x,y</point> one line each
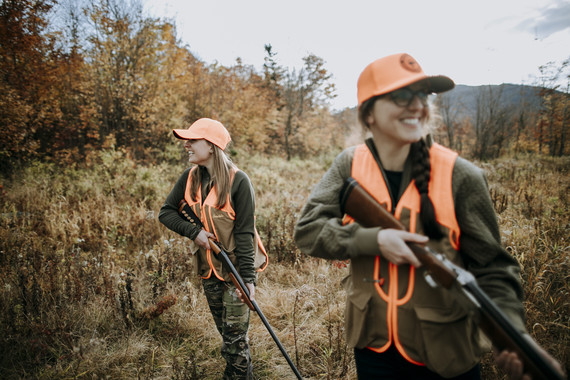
<point>462,101</point>
<point>464,98</point>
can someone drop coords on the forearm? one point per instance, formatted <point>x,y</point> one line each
<point>496,271</point>
<point>169,215</point>
<point>243,202</point>
<point>245,256</point>
<point>320,231</point>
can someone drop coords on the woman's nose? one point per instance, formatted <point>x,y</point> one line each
<point>417,103</point>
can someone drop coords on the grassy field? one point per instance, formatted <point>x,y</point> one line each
<point>93,286</point>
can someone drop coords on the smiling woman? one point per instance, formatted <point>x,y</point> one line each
<point>222,198</point>
<point>398,325</point>
<point>199,152</point>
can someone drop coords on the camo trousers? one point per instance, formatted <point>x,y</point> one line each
<point>232,321</point>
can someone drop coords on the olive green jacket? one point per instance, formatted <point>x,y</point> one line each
<point>435,328</point>
<point>243,202</point>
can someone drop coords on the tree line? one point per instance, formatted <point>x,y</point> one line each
<point>103,74</point>
<point>497,120</point>
<point>81,76</point>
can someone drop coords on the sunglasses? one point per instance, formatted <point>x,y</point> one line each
<point>404,96</point>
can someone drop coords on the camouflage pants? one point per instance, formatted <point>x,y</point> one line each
<point>232,321</point>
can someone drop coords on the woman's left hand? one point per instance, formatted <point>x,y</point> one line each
<point>251,289</point>
<point>203,239</point>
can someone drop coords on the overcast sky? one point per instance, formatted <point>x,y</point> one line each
<point>473,42</point>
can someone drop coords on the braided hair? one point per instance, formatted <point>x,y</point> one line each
<point>421,169</point>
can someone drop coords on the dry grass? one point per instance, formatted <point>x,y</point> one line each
<point>93,286</point>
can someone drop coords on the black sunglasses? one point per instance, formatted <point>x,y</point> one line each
<point>403,97</point>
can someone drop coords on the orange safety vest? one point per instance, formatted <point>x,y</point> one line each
<point>366,172</point>
<point>220,222</point>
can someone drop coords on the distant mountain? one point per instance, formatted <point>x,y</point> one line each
<point>463,98</point>
<point>463,102</point>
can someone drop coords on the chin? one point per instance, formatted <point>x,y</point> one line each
<point>414,138</point>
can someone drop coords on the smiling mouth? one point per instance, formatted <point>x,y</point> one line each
<point>411,121</point>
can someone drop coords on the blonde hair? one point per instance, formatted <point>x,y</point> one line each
<point>220,176</point>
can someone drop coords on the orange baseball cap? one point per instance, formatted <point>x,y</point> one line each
<point>393,72</point>
<point>207,129</point>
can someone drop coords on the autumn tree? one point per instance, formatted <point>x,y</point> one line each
<point>133,61</point>
<point>273,75</point>
<point>492,122</point>
<point>553,122</point>
<point>299,94</point>
<point>451,120</point>
<point>244,105</point>
<point>29,72</point>
<point>524,117</point>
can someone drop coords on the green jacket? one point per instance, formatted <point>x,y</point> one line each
<point>243,202</point>
<point>430,319</point>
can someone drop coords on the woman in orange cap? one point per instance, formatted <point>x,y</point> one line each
<point>399,326</point>
<point>222,198</point>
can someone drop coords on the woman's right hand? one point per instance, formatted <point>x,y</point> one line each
<point>202,239</point>
<point>393,246</point>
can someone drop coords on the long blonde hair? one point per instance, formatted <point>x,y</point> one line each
<point>220,176</point>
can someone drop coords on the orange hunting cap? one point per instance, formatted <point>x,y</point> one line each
<point>396,71</point>
<point>207,129</point>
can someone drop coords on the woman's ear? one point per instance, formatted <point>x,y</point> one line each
<point>369,119</point>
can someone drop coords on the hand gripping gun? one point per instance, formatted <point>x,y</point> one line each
<point>362,207</point>
<point>187,213</point>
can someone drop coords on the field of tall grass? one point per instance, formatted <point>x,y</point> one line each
<point>93,286</point>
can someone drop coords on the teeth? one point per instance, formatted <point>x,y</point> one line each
<point>411,121</point>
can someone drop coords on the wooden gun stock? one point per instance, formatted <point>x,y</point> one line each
<point>362,207</point>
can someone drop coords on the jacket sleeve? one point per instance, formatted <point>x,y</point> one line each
<point>243,202</point>
<point>496,271</point>
<point>169,215</point>
<point>319,230</point>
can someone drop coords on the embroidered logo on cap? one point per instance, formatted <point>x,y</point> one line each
<point>409,63</point>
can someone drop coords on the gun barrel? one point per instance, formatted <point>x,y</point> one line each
<point>361,206</point>
<point>242,287</point>
<point>503,334</point>
<point>186,212</point>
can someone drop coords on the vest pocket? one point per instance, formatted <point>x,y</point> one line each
<point>357,306</point>
<point>194,253</point>
<point>447,342</point>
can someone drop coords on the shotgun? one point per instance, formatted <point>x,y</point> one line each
<point>363,208</point>
<point>187,212</point>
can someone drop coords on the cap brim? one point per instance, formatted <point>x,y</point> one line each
<point>435,84</point>
<point>185,134</point>
<point>439,83</point>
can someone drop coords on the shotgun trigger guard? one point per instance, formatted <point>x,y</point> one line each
<point>464,277</point>
<point>430,281</point>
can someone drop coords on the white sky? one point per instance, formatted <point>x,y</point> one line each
<point>474,42</point>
